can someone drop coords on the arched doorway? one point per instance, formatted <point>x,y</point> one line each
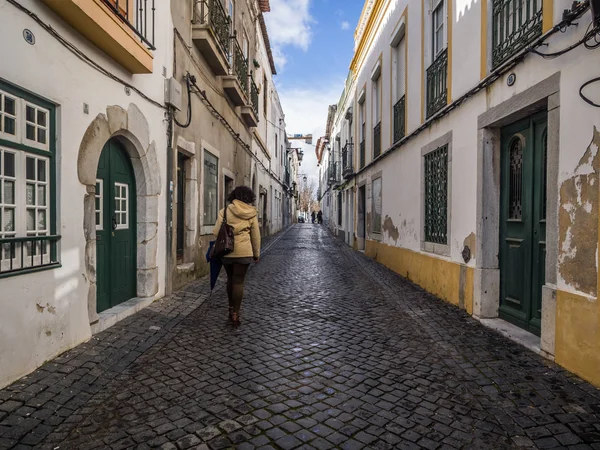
<point>116,225</point>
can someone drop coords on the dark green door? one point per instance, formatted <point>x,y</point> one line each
<point>115,227</point>
<point>523,222</point>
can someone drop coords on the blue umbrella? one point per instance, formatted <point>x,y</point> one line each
<point>215,266</point>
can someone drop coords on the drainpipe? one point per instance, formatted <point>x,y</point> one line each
<point>169,197</point>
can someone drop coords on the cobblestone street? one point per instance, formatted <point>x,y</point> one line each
<point>334,351</point>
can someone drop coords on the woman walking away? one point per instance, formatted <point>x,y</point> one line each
<point>242,216</point>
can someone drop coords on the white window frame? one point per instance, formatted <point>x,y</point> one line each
<point>100,196</point>
<point>442,26</point>
<point>246,46</point>
<point>36,183</point>
<point>9,206</point>
<point>21,208</point>
<point>376,103</point>
<point>120,224</point>
<point>20,136</point>
<point>37,127</point>
<point>16,117</point>
<point>361,115</point>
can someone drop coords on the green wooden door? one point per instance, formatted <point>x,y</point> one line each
<point>115,228</point>
<point>523,222</point>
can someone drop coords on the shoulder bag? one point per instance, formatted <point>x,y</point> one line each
<point>224,243</point>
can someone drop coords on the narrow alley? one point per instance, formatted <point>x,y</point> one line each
<point>334,351</point>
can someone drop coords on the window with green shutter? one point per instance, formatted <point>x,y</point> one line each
<point>28,239</point>
<point>436,195</point>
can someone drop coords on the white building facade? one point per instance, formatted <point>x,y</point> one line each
<point>82,153</point>
<point>474,159</point>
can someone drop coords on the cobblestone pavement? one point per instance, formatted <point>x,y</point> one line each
<point>334,351</point>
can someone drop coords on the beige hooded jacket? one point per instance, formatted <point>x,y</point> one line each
<point>243,218</point>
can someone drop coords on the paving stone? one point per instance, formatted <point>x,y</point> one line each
<point>365,360</point>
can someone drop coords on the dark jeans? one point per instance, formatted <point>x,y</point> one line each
<point>236,275</point>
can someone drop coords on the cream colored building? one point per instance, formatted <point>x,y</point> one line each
<point>476,163</point>
<point>234,133</point>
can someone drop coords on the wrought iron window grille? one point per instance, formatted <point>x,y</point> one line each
<point>400,119</point>
<point>377,140</point>
<point>22,254</point>
<point>213,14</point>
<point>254,95</point>
<point>436,196</point>
<point>516,23</point>
<point>437,89</point>
<point>138,15</point>
<point>362,153</point>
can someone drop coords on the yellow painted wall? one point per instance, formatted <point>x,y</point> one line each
<point>435,275</point>
<point>578,335</point>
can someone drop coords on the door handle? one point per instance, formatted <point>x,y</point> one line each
<point>114,222</point>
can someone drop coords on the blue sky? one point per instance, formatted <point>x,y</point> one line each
<point>312,43</point>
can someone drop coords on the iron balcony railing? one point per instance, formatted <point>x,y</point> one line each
<point>138,15</point>
<point>377,140</point>
<point>399,119</point>
<point>334,176</point>
<point>240,66</point>
<point>286,178</point>
<point>348,160</point>
<point>362,153</point>
<point>437,91</point>
<point>516,23</point>
<point>27,253</point>
<point>254,96</point>
<point>213,14</point>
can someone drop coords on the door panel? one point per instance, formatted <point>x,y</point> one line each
<point>116,241</point>
<point>522,226</point>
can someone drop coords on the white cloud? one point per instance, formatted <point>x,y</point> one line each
<point>289,23</point>
<point>279,57</point>
<point>306,113</point>
<point>345,25</point>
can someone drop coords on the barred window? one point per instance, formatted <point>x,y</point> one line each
<point>376,205</point>
<point>436,196</point>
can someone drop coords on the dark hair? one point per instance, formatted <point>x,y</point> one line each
<point>243,194</point>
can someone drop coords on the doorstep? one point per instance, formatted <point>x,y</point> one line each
<point>514,333</point>
<point>108,318</point>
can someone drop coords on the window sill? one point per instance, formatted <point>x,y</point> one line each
<point>438,249</point>
<point>30,270</point>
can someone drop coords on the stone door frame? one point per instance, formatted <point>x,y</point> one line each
<point>543,96</point>
<point>130,128</point>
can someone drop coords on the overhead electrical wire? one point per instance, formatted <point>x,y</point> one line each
<point>188,80</point>
<point>77,52</point>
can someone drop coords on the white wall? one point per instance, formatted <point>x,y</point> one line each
<point>401,171</point>
<point>46,313</point>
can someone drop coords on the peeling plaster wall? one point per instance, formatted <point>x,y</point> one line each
<point>46,313</point>
<point>575,134</point>
<point>578,222</point>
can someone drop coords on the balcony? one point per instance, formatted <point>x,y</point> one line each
<point>348,160</point>
<point>377,140</point>
<point>211,34</point>
<point>250,110</point>
<point>400,119</point>
<point>334,174</point>
<point>123,29</point>
<point>437,91</point>
<point>362,154</point>
<point>236,84</point>
<point>514,27</point>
